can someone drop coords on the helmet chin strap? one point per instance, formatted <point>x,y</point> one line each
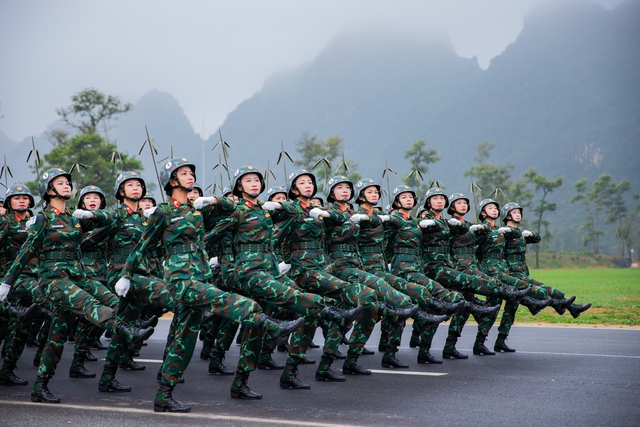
<point>57,195</point>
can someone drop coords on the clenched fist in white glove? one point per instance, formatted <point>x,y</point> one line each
<point>4,291</point>
<point>82,214</point>
<point>384,218</point>
<point>476,227</point>
<point>122,286</point>
<point>425,223</point>
<point>527,233</point>
<point>213,262</point>
<point>503,230</point>
<point>201,202</point>
<point>316,213</point>
<point>271,206</point>
<point>359,217</point>
<point>454,222</point>
<point>284,267</point>
<point>148,212</point>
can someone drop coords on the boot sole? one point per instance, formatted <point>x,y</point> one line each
<point>448,356</point>
<point>235,395</point>
<point>482,353</point>
<point>39,399</point>
<point>285,385</point>
<point>350,372</point>
<point>115,390</point>
<point>333,380</point>
<point>11,384</point>
<point>157,408</point>
<point>389,365</point>
<point>77,375</point>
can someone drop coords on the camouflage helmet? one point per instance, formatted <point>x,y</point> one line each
<point>272,191</point>
<point>485,202</point>
<point>18,190</point>
<point>362,185</point>
<point>92,189</point>
<point>47,177</point>
<point>333,181</point>
<point>226,191</point>
<point>318,198</point>
<point>150,197</point>
<point>199,187</point>
<point>453,198</point>
<point>403,189</point>
<point>124,177</point>
<point>242,171</point>
<point>291,179</point>
<point>170,167</point>
<point>508,208</point>
<point>435,191</point>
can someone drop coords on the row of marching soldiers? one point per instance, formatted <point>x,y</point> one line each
<point>279,269</point>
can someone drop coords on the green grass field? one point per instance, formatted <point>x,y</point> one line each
<point>614,294</point>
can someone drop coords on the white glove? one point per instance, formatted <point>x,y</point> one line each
<point>316,213</point>
<point>201,202</point>
<point>389,267</point>
<point>384,218</point>
<point>31,221</point>
<point>4,291</point>
<point>527,233</point>
<point>425,223</point>
<point>271,206</point>
<point>213,262</point>
<point>284,267</point>
<point>476,227</point>
<point>148,212</point>
<point>455,222</point>
<point>82,214</point>
<point>503,230</point>
<point>122,286</point>
<point>359,217</point>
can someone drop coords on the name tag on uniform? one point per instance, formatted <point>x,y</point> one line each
<point>178,218</point>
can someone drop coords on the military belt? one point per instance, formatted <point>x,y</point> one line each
<point>122,251</point>
<point>278,250</point>
<point>93,255</point>
<point>61,256</point>
<point>437,250</point>
<point>515,257</point>
<point>255,247</point>
<point>408,251</point>
<point>370,249</point>
<point>344,247</point>
<point>227,250</point>
<point>184,249</point>
<point>154,254</point>
<point>465,250</point>
<point>306,245</point>
<point>492,255</point>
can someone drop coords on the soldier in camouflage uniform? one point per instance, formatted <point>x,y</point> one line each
<point>405,253</point>
<point>491,253</point>
<point>55,236</point>
<point>438,264</point>
<point>343,228</point>
<point>515,257</point>
<point>26,293</point>
<point>181,227</point>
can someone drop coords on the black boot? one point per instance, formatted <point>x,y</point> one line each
<point>97,344</point>
<point>560,305</point>
<point>41,393</point>
<point>535,306</point>
<point>576,310</point>
<point>240,389</point>
<point>8,377</point>
<point>164,401</point>
<point>415,338</point>
<point>425,357</point>
<point>279,328</point>
<point>108,381</point>
<point>398,315</point>
<point>266,361</point>
<point>438,306</point>
<point>324,371</point>
<point>313,345</point>
<point>151,322</point>
<point>367,352</point>
<point>89,357</point>
<point>450,352</point>
<point>427,319</point>
<point>480,312</point>
<point>389,360</point>
<point>289,378</point>
<point>24,314</point>
<point>514,296</point>
<point>77,369</point>
<point>207,348</point>
<point>131,365</point>
<point>501,344</point>
<point>479,347</point>
<point>133,336</point>
<point>215,364</point>
<point>344,318</point>
<point>352,367</point>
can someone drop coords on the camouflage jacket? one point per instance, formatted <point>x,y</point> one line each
<point>56,236</point>
<point>342,238</point>
<point>371,242</point>
<point>181,229</point>
<point>436,243</point>
<point>463,242</point>
<point>404,244</point>
<point>94,251</point>
<point>516,250</point>
<point>126,231</point>
<point>491,248</point>
<point>13,234</point>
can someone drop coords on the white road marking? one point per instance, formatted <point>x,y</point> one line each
<point>403,372</point>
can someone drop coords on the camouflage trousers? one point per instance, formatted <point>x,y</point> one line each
<point>24,292</point>
<point>350,294</point>
<point>86,332</point>
<point>520,270</point>
<point>69,300</point>
<point>195,298</point>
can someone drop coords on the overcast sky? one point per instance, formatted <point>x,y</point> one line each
<point>210,55</point>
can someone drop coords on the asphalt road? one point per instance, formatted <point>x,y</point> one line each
<point>559,376</point>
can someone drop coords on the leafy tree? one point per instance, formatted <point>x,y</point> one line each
<point>420,158</point>
<point>617,212</point>
<point>94,152</point>
<point>542,184</point>
<point>593,199</point>
<point>90,109</point>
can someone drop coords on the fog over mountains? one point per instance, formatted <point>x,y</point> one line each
<point>564,99</point>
